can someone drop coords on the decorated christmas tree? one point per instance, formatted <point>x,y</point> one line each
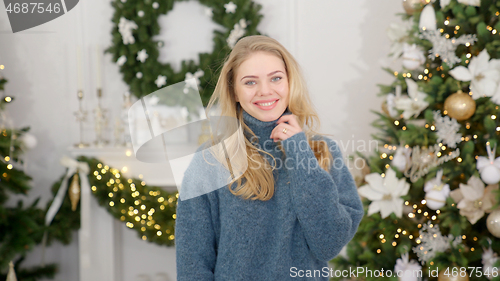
<point>431,197</point>
<point>21,227</point>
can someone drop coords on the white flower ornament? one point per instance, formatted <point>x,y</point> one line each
<point>385,193</point>
<point>414,103</point>
<point>474,199</point>
<point>398,34</point>
<point>483,74</point>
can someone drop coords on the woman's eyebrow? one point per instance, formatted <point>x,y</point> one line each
<point>249,76</point>
<point>253,76</point>
<point>274,72</point>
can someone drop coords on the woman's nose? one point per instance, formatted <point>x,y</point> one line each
<point>265,88</point>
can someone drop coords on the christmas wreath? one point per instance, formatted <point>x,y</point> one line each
<point>136,52</point>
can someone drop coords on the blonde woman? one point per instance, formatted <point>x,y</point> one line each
<point>295,206</point>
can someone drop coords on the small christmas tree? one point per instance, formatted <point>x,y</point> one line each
<point>22,227</point>
<point>432,195</point>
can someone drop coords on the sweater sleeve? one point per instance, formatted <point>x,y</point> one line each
<point>328,206</point>
<point>195,236</point>
<point>194,240</point>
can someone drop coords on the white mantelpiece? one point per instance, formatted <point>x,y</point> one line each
<point>158,174</point>
<point>113,246</point>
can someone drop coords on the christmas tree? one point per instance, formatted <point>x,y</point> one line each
<point>22,227</point>
<point>431,197</point>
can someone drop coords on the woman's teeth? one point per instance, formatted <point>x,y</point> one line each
<point>267,103</point>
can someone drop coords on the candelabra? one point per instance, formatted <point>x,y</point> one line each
<point>81,116</point>
<point>101,121</point>
<point>122,128</point>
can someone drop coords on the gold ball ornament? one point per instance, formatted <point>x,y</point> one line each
<point>411,7</point>
<point>449,276</point>
<point>460,106</point>
<point>493,223</point>
<point>74,192</point>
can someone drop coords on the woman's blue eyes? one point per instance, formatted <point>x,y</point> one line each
<point>274,79</point>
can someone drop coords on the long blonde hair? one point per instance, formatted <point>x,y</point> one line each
<point>259,173</point>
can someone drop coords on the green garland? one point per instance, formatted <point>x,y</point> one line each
<point>145,15</point>
<point>147,209</point>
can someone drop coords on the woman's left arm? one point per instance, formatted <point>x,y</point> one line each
<point>327,204</point>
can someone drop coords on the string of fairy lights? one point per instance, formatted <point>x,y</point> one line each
<point>419,212</point>
<point>427,75</point>
<point>7,98</point>
<point>147,209</point>
<point>441,145</point>
<point>416,208</point>
<point>400,232</point>
<point>7,159</point>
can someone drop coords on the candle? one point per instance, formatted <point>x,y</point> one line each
<point>79,67</point>
<point>98,65</point>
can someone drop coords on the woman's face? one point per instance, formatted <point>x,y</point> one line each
<point>261,86</point>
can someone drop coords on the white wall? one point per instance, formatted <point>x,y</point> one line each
<point>338,43</point>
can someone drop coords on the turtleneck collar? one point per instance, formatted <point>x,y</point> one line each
<point>262,129</point>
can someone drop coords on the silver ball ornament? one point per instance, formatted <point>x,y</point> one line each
<point>493,223</point>
<point>490,174</point>
<point>435,199</point>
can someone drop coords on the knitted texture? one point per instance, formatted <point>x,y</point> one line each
<point>311,217</point>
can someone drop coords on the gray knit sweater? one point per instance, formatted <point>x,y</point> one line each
<point>311,217</point>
